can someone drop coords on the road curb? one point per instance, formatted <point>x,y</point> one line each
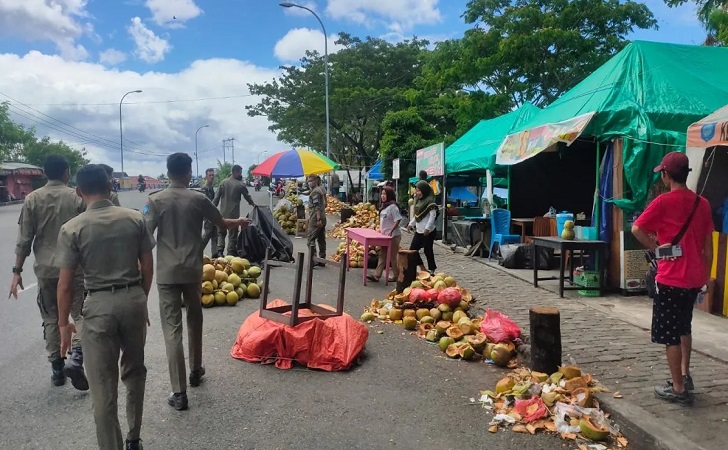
<point>14,202</point>
<point>643,429</point>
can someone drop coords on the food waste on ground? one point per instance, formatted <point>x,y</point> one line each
<point>286,214</point>
<point>333,205</point>
<point>225,281</point>
<point>436,309</point>
<point>365,216</point>
<point>562,402</point>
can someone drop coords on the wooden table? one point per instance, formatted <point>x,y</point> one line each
<point>368,237</point>
<point>523,223</point>
<point>600,247</point>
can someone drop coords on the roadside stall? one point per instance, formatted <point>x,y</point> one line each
<point>593,149</point>
<point>707,149</point>
<point>19,179</point>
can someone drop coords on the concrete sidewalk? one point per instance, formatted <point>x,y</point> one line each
<point>609,337</point>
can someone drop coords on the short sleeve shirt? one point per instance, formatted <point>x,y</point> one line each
<point>106,242</point>
<point>177,214</point>
<point>665,216</point>
<point>388,217</point>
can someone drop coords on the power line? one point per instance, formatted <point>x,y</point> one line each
<point>227,97</point>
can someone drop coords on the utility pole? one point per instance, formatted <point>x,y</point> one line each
<point>223,151</point>
<point>225,147</point>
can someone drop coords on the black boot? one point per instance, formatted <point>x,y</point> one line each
<point>58,378</point>
<point>74,370</point>
<point>134,445</point>
<point>178,401</point>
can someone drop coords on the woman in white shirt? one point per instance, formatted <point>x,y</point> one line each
<point>423,223</point>
<point>389,219</point>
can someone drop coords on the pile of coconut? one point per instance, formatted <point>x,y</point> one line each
<point>562,403</point>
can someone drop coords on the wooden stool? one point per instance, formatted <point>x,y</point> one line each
<point>301,227</point>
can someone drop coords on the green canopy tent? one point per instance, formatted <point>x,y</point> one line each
<point>647,94</point>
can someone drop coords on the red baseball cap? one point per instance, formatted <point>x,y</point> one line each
<point>674,162</point>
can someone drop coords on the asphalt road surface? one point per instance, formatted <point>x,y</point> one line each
<point>405,394</point>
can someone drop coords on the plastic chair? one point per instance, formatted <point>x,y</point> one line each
<point>500,228</point>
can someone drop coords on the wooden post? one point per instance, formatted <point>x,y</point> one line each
<point>407,261</point>
<point>545,339</point>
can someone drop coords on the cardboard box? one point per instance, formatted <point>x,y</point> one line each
<point>712,299</point>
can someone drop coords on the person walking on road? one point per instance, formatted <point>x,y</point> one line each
<point>43,213</point>
<point>389,220</point>
<point>177,214</point>
<point>682,222</point>
<point>113,196</point>
<point>209,230</point>
<point>335,183</point>
<point>228,197</point>
<point>317,217</point>
<point>423,224</point>
<point>115,312</point>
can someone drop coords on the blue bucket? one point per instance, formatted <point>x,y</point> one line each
<point>561,219</point>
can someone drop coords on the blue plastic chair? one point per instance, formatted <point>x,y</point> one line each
<point>500,228</point>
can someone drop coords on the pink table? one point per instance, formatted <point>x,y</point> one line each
<point>368,237</point>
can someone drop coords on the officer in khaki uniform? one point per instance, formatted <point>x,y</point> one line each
<point>317,218</point>
<point>43,213</point>
<point>209,230</point>
<point>111,245</point>
<point>228,197</point>
<point>113,196</point>
<point>177,214</point>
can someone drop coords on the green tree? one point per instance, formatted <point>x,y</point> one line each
<point>20,144</point>
<point>223,171</point>
<point>368,78</point>
<point>535,50</point>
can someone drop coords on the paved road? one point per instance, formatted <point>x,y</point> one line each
<point>404,395</point>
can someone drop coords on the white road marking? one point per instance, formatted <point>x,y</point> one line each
<point>28,287</point>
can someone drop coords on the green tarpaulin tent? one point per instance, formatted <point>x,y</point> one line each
<point>649,93</point>
<point>474,151</point>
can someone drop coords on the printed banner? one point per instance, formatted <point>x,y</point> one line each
<point>708,134</point>
<point>432,160</point>
<point>526,144</point>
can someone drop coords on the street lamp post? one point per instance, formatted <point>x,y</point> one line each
<point>262,153</point>
<point>326,68</point>
<point>197,164</point>
<point>121,129</point>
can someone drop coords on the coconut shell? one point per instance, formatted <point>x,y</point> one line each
<point>442,326</point>
<point>454,332</point>
<point>570,372</point>
<point>582,397</point>
<point>453,351</point>
<point>592,431</point>
<point>575,383</point>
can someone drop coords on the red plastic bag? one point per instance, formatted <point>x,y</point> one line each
<point>532,409</point>
<point>498,327</point>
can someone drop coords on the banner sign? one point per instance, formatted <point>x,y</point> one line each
<point>395,169</point>
<point>432,160</point>
<point>526,144</point>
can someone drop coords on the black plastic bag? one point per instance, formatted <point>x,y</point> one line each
<point>281,246</point>
<point>510,257</point>
<point>252,244</point>
<point>545,257</point>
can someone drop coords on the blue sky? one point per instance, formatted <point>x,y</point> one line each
<point>72,60</point>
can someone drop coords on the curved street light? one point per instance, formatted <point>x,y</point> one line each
<point>121,130</point>
<point>197,165</point>
<point>326,68</point>
<point>262,153</point>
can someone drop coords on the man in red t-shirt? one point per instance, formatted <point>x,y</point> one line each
<point>679,279</point>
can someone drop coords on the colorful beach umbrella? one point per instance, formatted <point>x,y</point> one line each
<point>295,163</point>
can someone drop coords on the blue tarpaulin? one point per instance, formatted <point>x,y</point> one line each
<point>461,193</point>
<point>375,173</point>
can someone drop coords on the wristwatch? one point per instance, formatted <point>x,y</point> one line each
<point>17,270</point>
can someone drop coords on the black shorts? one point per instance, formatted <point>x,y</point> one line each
<point>672,314</point>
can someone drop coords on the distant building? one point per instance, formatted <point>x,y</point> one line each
<point>18,180</point>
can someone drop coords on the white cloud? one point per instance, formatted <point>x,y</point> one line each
<point>173,13</point>
<point>296,42</point>
<point>301,12</point>
<point>149,47</point>
<point>112,57</point>
<point>86,95</point>
<point>406,12</point>
<point>57,21</point>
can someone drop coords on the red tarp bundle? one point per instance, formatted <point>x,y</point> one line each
<point>332,344</point>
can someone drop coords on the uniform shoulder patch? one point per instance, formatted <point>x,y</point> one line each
<point>145,210</point>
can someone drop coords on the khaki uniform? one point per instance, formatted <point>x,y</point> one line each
<point>107,242</point>
<point>209,230</point>
<point>43,213</point>
<point>317,202</point>
<point>177,214</point>
<point>228,197</point>
<point>114,197</point>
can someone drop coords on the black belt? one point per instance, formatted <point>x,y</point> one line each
<point>113,287</point>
